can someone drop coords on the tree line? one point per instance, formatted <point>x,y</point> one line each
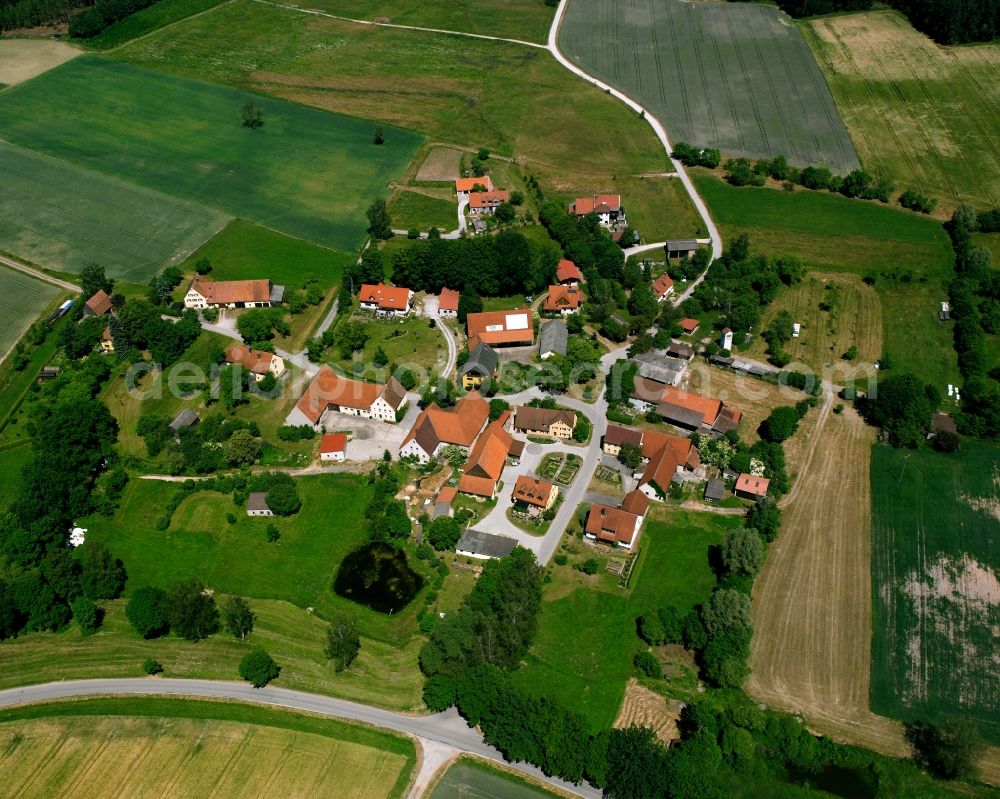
<point>945,21</point>
<point>89,22</point>
<point>73,470</point>
<point>974,297</point>
<point>488,266</point>
<point>15,14</point>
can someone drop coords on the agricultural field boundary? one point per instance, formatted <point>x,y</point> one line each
<point>373,23</point>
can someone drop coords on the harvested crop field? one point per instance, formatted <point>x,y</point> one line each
<point>737,76</point>
<point>23,59</point>
<point>812,601</point>
<point>441,163</point>
<point>78,216</point>
<point>936,519</point>
<point>645,708</point>
<point>836,312</point>
<point>22,300</point>
<point>98,756</point>
<point>921,115</point>
<point>305,172</point>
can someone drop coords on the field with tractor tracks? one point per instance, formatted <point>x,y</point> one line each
<point>936,519</point>
<point>922,115</point>
<point>737,76</point>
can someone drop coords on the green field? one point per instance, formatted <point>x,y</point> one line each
<point>79,215</point>
<point>243,250</point>
<point>22,300</point>
<point>471,779</point>
<point>587,670</point>
<point>935,522</point>
<point>921,115</point>
<point>510,19</point>
<point>411,209</point>
<point>409,342</point>
<point>305,173</point>
<point>193,748</point>
<point>458,90</point>
<point>147,20</point>
<point>733,76</point>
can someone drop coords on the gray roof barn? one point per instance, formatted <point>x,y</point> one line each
<point>257,503</point>
<point>477,544</point>
<point>682,417</point>
<point>715,491</point>
<point>483,360</point>
<point>553,338</point>
<point>185,418</point>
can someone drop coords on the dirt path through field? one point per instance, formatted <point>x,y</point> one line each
<point>811,650</point>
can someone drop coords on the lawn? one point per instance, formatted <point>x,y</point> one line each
<point>219,749</point>
<point>588,671</point>
<point>22,300</point>
<point>243,251</point>
<point>733,76</point>
<point>236,558</point>
<point>453,89</point>
<point>414,209</point>
<point>304,172</point>
<point>510,19</point>
<point>79,215</point>
<point>410,341</point>
<point>922,115</point>
<point>472,778</point>
<point>827,230</point>
<point>935,522</point>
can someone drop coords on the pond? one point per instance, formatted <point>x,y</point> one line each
<point>379,576</point>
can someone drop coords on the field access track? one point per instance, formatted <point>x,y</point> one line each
<point>737,76</point>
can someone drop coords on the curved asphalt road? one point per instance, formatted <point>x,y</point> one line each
<point>447,728</point>
<point>658,129</point>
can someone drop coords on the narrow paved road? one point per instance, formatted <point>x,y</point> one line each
<point>654,123</point>
<point>447,728</point>
<point>545,546</point>
<point>28,270</point>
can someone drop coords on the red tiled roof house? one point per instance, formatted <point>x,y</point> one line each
<point>333,447</point>
<point>387,299</point>
<point>330,393</point>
